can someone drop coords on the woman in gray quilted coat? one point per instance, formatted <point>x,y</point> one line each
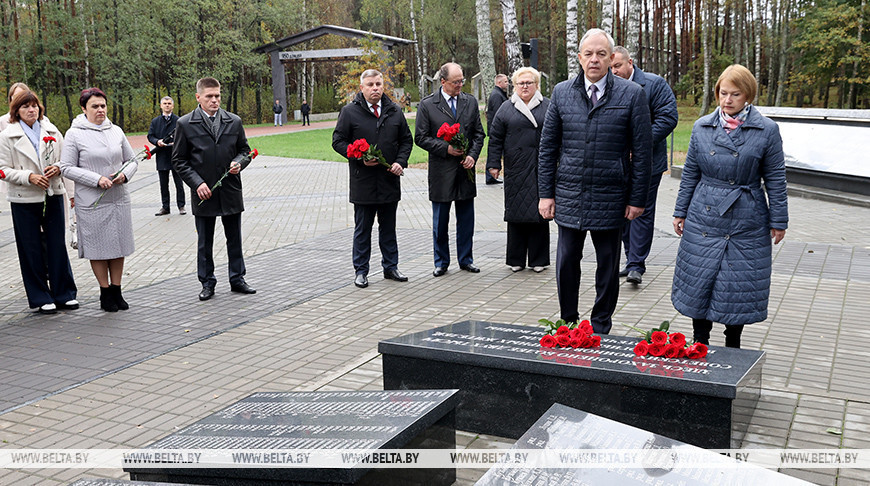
<point>94,150</point>
<point>724,260</point>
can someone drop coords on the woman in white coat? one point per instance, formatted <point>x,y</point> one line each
<point>30,150</point>
<point>95,152</point>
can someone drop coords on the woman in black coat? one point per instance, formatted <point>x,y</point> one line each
<point>514,135</point>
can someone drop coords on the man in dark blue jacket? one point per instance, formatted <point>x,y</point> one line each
<point>638,233</point>
<point>375,189</point>
<point>593,173</point>
<point>161,134</point>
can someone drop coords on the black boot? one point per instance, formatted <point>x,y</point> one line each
<point>107,300</point>
<point>701,330</point>
<point>119,300</point>
<point>732,335</point>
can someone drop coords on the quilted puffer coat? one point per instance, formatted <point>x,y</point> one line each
<point>513,137</point>
<point>724,260</point>
<point>595,160</point>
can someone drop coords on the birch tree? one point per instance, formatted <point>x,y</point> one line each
<point>708,56</point>
<point>571,38</point>
<point>417,51</point>
<point>785,5</point>
<point>485,56</point>
<point>511,35</point>
<point>607,16</point>
<point>632,28</point>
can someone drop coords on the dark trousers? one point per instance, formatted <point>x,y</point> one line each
<point>364,219</point>
<point>164,188</point>
<point>569,252</point>
<point>232,224</point>
<point>305,119</point>
<point>638,233</point>
<point>464,232</point>
<point>42,255</point>
<point>701,332</point>
<point>528,240</point>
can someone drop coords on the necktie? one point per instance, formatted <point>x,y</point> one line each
<point>166,117</point>
<point>453,105</point>
<point>375,110</point>
<point>594,95</point>
<point>213,126</point>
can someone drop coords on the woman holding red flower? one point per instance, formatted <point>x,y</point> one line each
<point>29,156</point>
<point>97,156</point>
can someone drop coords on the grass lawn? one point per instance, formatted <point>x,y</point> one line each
<point>317,144</point>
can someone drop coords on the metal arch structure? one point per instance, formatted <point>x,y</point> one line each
<point>279,55</point>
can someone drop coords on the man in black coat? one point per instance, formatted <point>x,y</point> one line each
<point>496,98</point>
<point>448,176</point>
<point>305,109</point>
<point>374,189</point>
<point>161,134</point>
<point>638,233</point>
<point>211,142</point>
<point>597,132</point>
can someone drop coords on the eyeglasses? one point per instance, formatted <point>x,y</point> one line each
<point>526,83</point>
<point>458,82</point>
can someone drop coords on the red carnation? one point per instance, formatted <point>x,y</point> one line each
<point>548,341</point>
<point>657,349</point>
<point>254,154</point>
<point>447,132</point>
<point>577,342</point>
<point>678,338</point>
<point>596,341</point>
<point>49,139</point>
<point>659,337</point>
<point>363,145</point>
<point>147,153</point>
<point>641,349</point>
<point>672,351</point>
<point>562,330</point>
<point>563,340</point>
<point>696,351</point>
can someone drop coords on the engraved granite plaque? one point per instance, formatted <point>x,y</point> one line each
<point>585,438</point>
<point>502,371</point>
<point>364,420</point>
<point>117,482</point>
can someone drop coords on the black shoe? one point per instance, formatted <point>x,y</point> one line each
<point>207,293</point>
<point>116,294</point>
<point>396,275</point>
<point>623,273</point>
<point>242,288</point>
<point>181,210</point>
<point>162,212</point>
<point>439,271</point>
<point>107,300</point>
<point>361,281</point>
<point>470,268</point>
<point>634,277</point>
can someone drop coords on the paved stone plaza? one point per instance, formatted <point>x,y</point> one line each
<point>90,379</point>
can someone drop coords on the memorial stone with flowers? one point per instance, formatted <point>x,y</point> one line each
<point>509,375</point>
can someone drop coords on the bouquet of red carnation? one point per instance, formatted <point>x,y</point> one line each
<point>561,334</point>
<point>658,342</point>
<point>360,149</point>
<point>143,154</point>
<point>49,151</point>
<point>454,136</point>
<point>251,156</point>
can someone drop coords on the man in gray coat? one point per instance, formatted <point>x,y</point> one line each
<point>597,132</point>
<point>638,233</point>
<point>211,142</point>
<point>449,180</point>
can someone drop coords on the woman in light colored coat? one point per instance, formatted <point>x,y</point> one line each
<point>93,152</point>
<point>29,154</point>
<point>724,260</point>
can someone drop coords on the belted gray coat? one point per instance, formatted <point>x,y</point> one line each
<point>724,259</point>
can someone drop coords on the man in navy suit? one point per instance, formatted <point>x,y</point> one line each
<point>161,135</point>
<point>638,233</point>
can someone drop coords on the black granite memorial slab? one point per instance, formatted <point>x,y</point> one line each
<point>590,437</point>
<point>118,482</point>
<point>507,379</point>
<point>306,421</point>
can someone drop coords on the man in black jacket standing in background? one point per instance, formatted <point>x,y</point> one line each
<point>496,98</point>
<point>161,135</point>
<point>375,189</point>
<point>208,143</point>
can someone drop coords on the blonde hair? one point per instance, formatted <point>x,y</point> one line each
<point>526,70</point>
<point>741,78</point>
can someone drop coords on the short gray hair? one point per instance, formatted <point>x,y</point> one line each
<point>593,32</point>
<point>368,73</point>
<point>500,76</point>
<point>623,51</point>
<point>167,98</point>
<point>444,72</point>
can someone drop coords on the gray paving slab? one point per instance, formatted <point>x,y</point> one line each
<point>91,379</point>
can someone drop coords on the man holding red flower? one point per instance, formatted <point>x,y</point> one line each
<point>373,134</point>
<point>448,165</point>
